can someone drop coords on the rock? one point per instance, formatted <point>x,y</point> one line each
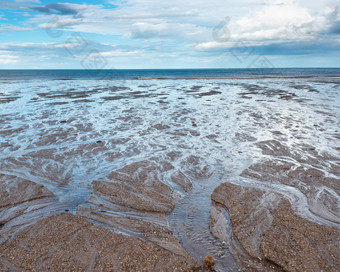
<point>208,263</point>
<point>268,235</point>
<point>315,184</point>
<point>65,242</point>
<point>19,198</point>
<point>161,126</point>
<point>297,244</point>
<point>213,92</point>
<point>15,190</point>
<point>182,180</point>
<point>138,201</point>
<point>138,186</point>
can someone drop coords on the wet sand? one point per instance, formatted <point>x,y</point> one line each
<point>124,175</point>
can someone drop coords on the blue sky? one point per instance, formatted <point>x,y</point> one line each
<point>111,34</point>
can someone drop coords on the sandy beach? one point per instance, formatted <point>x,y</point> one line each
<point>155,175</point>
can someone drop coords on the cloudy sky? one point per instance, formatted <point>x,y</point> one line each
<point>169,34</point>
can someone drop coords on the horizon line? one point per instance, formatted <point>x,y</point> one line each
<point>112,69</point>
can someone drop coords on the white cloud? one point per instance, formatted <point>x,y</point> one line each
<point>60,50</point>
<point>282,22</point>
<point>60,23</point>
<point>30,45</point>
<point>271,16</point>
<point>2,17</point>
<point>176,31</point>
<point>213,45</point>
<point>118,53</point>
<point>12,28</point>
<point>5,58</point>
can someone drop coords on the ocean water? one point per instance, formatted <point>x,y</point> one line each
<point>167,73</point>
<point>66,128</point>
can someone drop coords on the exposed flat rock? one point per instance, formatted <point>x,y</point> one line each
<point>138,186</point>
<point>314,172</point>
<point>19,199</point>
<point>182,180</point>
<point>297,244</point>
<point>268,235</point>
<point>65,242</point>
<point>138,199</point>
<point>320,189</point>
<point>15,190</point>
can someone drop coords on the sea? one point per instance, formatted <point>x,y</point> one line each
<point>64,129</point>
<point>167,73</point>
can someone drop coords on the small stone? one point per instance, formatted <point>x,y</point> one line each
<point>208,263</point>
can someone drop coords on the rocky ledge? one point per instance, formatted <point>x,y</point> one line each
<point>267,235</point>
<point>65,242</point>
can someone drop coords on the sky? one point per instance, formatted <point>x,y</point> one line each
<point>153,34</point>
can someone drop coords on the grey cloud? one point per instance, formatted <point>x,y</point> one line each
<point>145,31</point>
<point>334,22</point>
<point>59,48</point>
<point>60,9</point>
<point>299,48</point>
<point>279,49</point>
<point>335,28</point>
